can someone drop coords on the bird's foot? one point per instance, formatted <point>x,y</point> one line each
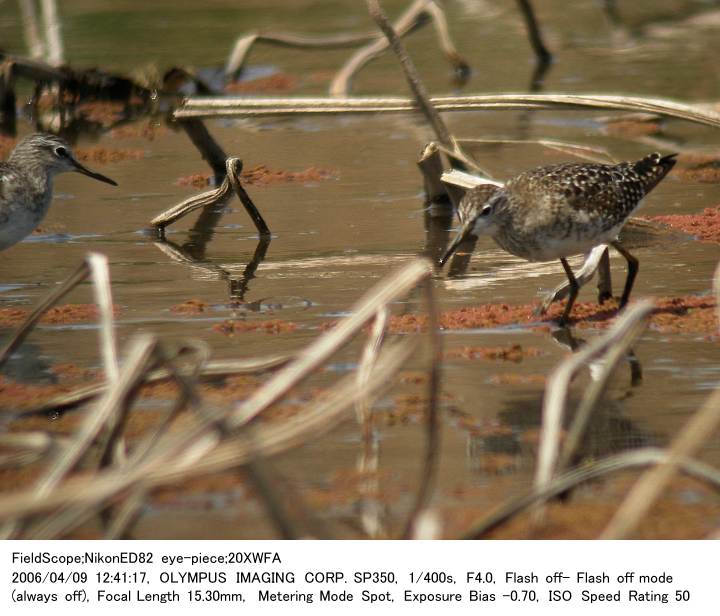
<point>563,322</point>
<point>604,296</point>
<point>545,304</point>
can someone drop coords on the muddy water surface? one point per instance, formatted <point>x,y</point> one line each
<point>335,236</point>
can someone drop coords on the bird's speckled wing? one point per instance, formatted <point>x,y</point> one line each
<point>592,189</point>
<point>608,191</point>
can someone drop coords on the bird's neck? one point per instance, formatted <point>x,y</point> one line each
<point>41,181</point>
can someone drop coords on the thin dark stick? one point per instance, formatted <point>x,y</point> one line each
<point>427,478</point>
<point>234,167</point>
<point>542,53</point>
<point>269,496</point>
<point>73,280</point>
<point>411,74</point>
<point>210,150</point>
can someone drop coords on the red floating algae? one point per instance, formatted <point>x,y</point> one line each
<point>515,353</point>
<point>271,326</point>
<point>262,175</point>
<point>190,306</point>
<point>690,314</point>
<point>63,314</point>
<point>704,226</point>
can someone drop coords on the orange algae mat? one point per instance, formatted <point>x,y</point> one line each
<point>705,226</point>
<point>691,314</point>
<point>271,326</point>
<point>63,314</point>
<point>262,175</point>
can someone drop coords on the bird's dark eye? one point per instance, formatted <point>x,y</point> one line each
<point>60,152</point>
<point>486,210</point>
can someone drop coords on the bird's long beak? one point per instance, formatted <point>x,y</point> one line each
<point>85,171</point>
<point>461,236</point>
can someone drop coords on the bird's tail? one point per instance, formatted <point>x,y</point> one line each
<point>653,168</point>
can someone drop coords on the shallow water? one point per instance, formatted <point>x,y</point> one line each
<point>333,239</point>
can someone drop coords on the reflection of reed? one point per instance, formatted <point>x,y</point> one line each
<point>192,253</point>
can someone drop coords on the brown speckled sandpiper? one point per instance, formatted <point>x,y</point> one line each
<point>26,183</point>
<point>557,211</point>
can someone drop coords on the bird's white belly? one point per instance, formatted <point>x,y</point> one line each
<point>554,248</point>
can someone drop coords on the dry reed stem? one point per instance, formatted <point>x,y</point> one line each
<point>106,409</point>
<point>264,482</point>
<point>242,46</point>
<point>53,35</point>
<point>215,368</point>
<point>29,447</point>
<point>428,526</point>
<point>367,363</point>
<point>48,302</point>
<point>368,463</point>
<point>408,21</point>
<point>585,152</point>
<point>432,420</point>
<point>102,290</point>
<point>31,30</point>
<point>312,357</point>
<point>698,429</point>
<point>96,265</point>
<point>413,77</point>
<point>609,361</point>
<point>562,483</point>
<point>107,442</point>
<point>206,107</point>
<point>701,427</point>
<point>628,325</point>
<point>422,98</point>
<point>200,450</point>
<point>437,14</point>
<point>191,456</point>
<point>465,180</point>
<point>209,198</point>
<point>111,404</point>
<point>215,197</point>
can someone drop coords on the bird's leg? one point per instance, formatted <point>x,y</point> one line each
<point>582,276</point>
<point>574,290</point>
<point>633,266</point>
<point>604,285</point>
